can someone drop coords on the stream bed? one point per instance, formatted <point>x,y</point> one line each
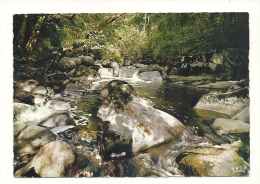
<point>174,98</point>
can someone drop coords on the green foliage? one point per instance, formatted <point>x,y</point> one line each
<point>152,37</point>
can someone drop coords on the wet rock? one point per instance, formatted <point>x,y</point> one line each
<point>29,115</point>
<point>226,126</point>
<point>53,160</point>
<point>84,75</point>
<point>143,166</point>
<point>30,139</point>
<point>230,103</point>
<point>133,123</point>
<point>56,120</point>
<point>151,76</point>
<point>66,64</point>
<point>209,161</point>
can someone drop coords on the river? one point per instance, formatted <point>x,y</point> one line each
<point>174,98</point>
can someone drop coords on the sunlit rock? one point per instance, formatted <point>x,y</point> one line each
<point>133,123</point>
<point>52,160</point>
<point>30,115</point>
<point>227,126</point>
<point>208,161</point>
<point>57,120</point>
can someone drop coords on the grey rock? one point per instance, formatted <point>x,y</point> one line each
<point>56,120</point>
<point>30,139</point>
<point>151,76</point>
<point>133,123</point>
<point>29,115</point>
<point>227,126</point>
<point>52,160</point>
<point>66,64</point>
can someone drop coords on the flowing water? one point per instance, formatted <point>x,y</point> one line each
<point>175,99</point>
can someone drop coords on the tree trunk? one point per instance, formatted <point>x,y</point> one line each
<point>34,33</point>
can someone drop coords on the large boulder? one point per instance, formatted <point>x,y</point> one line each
<point>154,67</point>
<point>210,161</point>
<point>84,75</point>
<point>226,126</point>
<point>230,103</point>
<point>151,76</point>
<point>133,123</point>
<point>37,95</point>
<point>53,160</point>
<point>143,166</point>
<point>66,64</point>
<point>24,114</point>
<point>30,139</point>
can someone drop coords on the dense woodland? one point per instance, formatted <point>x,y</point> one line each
<point>41,40</point>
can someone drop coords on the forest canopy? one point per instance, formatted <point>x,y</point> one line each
<point>41,39</point>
